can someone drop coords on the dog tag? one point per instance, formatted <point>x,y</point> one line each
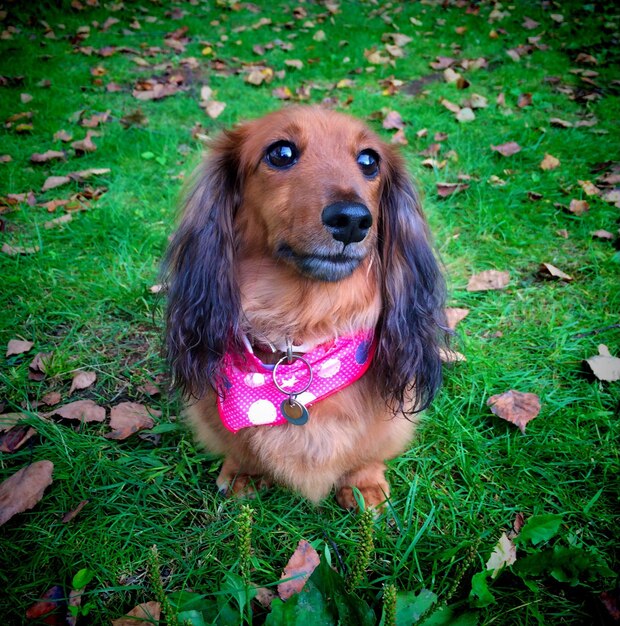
<point>294,412</point>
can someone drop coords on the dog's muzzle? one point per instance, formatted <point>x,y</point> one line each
<point>348,222</point>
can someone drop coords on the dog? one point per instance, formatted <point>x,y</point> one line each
<point>303,255</point>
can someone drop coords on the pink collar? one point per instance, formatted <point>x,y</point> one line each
<point>251,397</point>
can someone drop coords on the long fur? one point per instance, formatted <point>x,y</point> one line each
<point>226,279</point>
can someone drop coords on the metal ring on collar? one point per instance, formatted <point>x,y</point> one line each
<point>288,392</point>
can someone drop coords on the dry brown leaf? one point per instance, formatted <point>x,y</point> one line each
<point>488,280</point>
<point>14,438</point>
<point>17,346</point>
<point>214,108</point>
<point>24,489</point>
<point>602,234</point>
<point>549,162</point>
<point>82,380</point>
<point>451,356</point>
<point>393,120</point>
<point>604,366</point>
<point>589,188</point>
<point>465,115</point>
<point>298,569</point>
<point>399,138</point>
<point>453,108</point>
<point>454,315</point>
<point>55,181</point>
<point>5,158</point>
<point>67,517</point>
<point>551,272</point>
<point>516,407</point>
<point>447,189</point>
<point>45,157</point>
<point>613,196</point>
<point>81,410</point>
<point>128,418</point>
<point>51,398</point>
<point>560,123</point>
<point>58,221</point>
<point>18,250</point>
<point>524,100</point>
<point>63,135</point>
<point>85,145</point>
<point>507,149</point>
<point>145,614</point>
<point>10,420</point>
<point>504,554</point>
<point>578,207</point>
<point>36,369</point>
<point>434,164</point>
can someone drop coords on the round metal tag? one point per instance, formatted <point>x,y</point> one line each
<point>294,412</point>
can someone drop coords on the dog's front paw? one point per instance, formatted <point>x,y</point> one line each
<point>233,481</point>
<point>370,482</point>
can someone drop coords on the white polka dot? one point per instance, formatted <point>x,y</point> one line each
<point>254,380</point>
<point>262,412</point>
<point>330,368</point>
<point>306,397</point>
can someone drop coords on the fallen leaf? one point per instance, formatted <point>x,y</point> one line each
<point>149,388</point>
<point>516,407</point>
<point>434,164</point>
<point>264,596</point>
<point>37,367</point>
<point>67,517</point>
<point>259,76</point>
<point>454,315</point>
<point>488,280</point>
<point>589,188</point>
<point>45,157</point>
<point>399,138</point>
<point>63,135</point>
<point>562,232</point>
<point>476,101</point>
<point>603,365</point>
<point>465,115</point>
<point>82,380</point>
<point>51,398</point>
<point>14,435</point>
<point>504,554</point>
<point>214,108</point>
<point>451,356</point>
<point>52,600</point>
<point>447,189</point>
<point>296,63</point>
<point>17,346</point>
<point>85,145</point>
<point>58,221</point>
<point>613,196</point>
<point>144,614</point>
<point>5,158</point>
<point>560,123</point>
<point>24,489</point>
<point>55,181</point>
<point>300,566</point>
<point>578,207</point>
<point>507,149</point>
<point>81,410</point>
<point>134,118</point>
<point>551,272</point>
<point>393,120</point>
<point>18,250</point>
<point>128,418</point>
<point>602,234</point>
<point>549,162</point>
<point>454,108</point>
<point>524,100</point>
<point>529,23</point>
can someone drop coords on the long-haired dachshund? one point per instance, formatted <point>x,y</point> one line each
<point>305,311</point>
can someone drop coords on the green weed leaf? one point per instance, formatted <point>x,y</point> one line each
<point>539,528</point>
<point>193,618</point>
<point>306,607</point>
<point>410,607</point>
<point>444,616</point>
<point>82,578</point>
<point>480,595</point>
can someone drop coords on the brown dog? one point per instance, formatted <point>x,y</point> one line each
<point>303,229</point>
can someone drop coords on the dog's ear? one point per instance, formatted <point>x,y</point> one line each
<point>412,326</point>
<point>203,302</point>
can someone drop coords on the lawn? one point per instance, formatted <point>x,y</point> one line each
<point>508,118</point>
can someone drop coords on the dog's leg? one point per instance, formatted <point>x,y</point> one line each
<point>235,480</point>
<point>370,480</point>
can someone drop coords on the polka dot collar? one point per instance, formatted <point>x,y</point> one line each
<point>251,398</point>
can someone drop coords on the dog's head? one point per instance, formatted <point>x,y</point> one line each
<point>319,192</point>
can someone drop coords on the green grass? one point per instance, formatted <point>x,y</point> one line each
<point>85,296</point>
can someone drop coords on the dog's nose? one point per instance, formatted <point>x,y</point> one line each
<point>348,222</point>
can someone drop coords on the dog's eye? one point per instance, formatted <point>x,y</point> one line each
<point>368,160</point>
<point>281,154</point>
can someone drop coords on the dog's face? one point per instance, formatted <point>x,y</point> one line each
<point>311,195</point>
<point>321,196</point>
